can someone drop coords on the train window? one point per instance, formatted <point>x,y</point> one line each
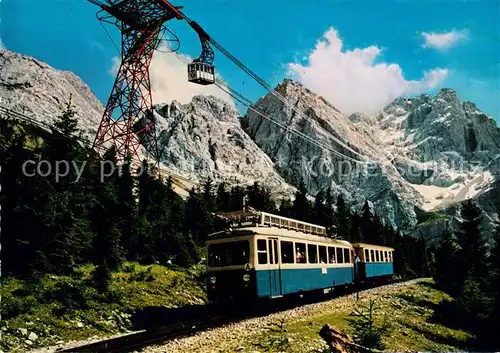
<point>367,256</point>
<point>287,252</point>
<point>331,255</point>
<point>386,256</point>
<point>347,256</point>
<point>377,255</point>
<point>273,251</point>
<point>300,253</point>
<point>372,256</point>
<point>323,259</point>
<point>390,256</point>
<point>229,254</point>
<point>312,253</point>
<point>262,251</point>
<point>340,258</point>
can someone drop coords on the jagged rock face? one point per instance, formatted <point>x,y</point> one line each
<point>320,167</point>
<point>446,149</point>
<point>424,152</point>
<point>204,139</point>
<point>32,87</point>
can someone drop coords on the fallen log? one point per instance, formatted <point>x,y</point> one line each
<point>339,342</point>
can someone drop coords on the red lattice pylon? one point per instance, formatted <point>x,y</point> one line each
<point>128,121</point>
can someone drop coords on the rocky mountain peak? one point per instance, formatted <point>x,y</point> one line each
<point>447,94</point>
<point>30,86</point>
<point>203,140</point>
<point>420,152</point>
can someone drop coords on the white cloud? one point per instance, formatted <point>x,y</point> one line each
<point>443,41</point>
<point>352,81</point>
<point>168,73</point>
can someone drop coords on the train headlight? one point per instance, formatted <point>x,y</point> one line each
<point>213,279</point>
<point>246,277</point>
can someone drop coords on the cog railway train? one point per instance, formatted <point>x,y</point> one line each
<point>265,256</point>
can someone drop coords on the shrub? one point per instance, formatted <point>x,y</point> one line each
<point>473,301</point>
<point>14,306</point>
<point>71,294</point>
<point>366,333</point>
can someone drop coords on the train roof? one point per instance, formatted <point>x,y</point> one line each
<point>371,246</point>
<point>281,232</point>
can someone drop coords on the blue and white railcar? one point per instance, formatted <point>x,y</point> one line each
<point>375,261</point>
<point>269,256</point>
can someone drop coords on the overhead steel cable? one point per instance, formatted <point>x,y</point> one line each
<point>288,128</point>
<point>266,85</point>
<point>248,103</point>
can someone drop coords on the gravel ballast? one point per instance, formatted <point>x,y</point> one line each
<point>230,337</point>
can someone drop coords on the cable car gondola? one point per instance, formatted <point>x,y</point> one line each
<point>201,73</point>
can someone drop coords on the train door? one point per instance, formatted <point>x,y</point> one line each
<point>274,268</point>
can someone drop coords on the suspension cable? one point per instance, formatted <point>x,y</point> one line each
<point>248,103</point>
<point>266,85</point>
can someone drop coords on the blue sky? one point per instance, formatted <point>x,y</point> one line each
<point>371,51</point>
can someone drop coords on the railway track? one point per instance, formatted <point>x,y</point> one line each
<point>157,335</point>
<point>144,338</point>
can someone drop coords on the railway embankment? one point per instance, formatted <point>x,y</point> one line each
<point>59,310</point>
<point>408,311</point>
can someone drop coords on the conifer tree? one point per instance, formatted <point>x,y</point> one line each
<point>494,278</point>
<point>368,230</point>
<point>320,215</point>
<point>127,209</point>
<point>108,245</point>
<point>65,202</point>
<point>343,221</point>
<point>472,253</point>
<point>21,224</point>
<point>355,234</point>
<point>223,198</point>
<point>286,208</point>
<point>301,206</point>
<point>208,195</point>
<point>329,205</point>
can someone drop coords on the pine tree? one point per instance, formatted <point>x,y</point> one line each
<point>494,277</point>
<point>320,214</point>
<point>302,208</point>
<point>355,234</point>
<point>268,203</point>
<point>127,210</point>
<point>286,208</point>
<point>367,224</point>
<point>343,220</point>
<point>108,245</point>
<point>223,198</point>
<point>21,224</point>
<point>472,253</point>
<point>198,220</point>
<point>65,210</point>
<point>329,206</point>
<point>208,195</point>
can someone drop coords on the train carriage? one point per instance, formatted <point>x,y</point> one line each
<point>269,256</point>
<point>375,261</point>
